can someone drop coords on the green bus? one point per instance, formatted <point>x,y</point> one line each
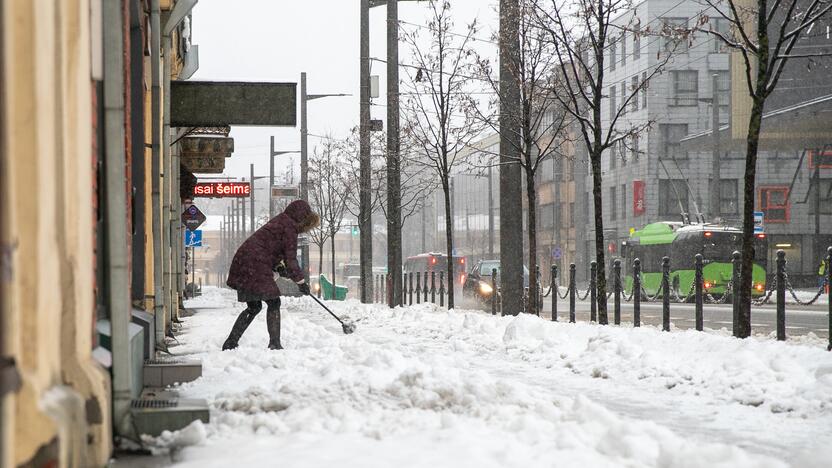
<point>681,242</point>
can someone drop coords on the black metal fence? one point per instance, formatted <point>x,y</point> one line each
<point>426,288</point>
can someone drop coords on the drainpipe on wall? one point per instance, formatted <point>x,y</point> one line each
<point>156,156</point>
<point>116,269</point>
<point>167,233</point>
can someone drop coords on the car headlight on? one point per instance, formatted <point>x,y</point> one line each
<point>485,288</point>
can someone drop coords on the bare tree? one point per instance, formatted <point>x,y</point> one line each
<point>541,123</point>
<point>330,188</point>
<point>438,114</point>
<point>581,32</point>
<point>765,34</point>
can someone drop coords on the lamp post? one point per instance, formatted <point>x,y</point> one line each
<point>272,154</point>
<point>304,160</point>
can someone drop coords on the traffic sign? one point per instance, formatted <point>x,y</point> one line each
<point>192,218</point>
<point>758,221</point>
<point>193,238</point>
<point>557,253</point>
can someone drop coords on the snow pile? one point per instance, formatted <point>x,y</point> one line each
<point>419,386</point>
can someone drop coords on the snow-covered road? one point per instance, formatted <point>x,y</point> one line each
<point>421,386</point>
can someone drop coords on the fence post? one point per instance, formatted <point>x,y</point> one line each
<point>616,269</point>
<point>534,304</point>
<point>735,298</point>
<point>404,290</point>
<point>441,289</point>
<point>433,287</point>
<point>493,291</point>
<point>636,293</point>
<point>554,292</point>
<point>593,311</point>
<point>425,289</point>
<point>572,293</point>
<point>410,288</point>
<point>665,293</point>
<point>697,280</point>
<point>418,288</point>
<point>829,293</point>
<point>781,295</point>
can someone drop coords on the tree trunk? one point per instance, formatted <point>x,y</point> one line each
<point>321,258</point>
<point>449,239</point>
<point>332,247</point>
<point>601,276</point>
<point>747,265</point>
<point>531,197</point>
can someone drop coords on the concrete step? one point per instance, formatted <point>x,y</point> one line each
<point>152,416</point>
<point>161,373</point>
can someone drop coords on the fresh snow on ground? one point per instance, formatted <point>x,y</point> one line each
<point>421,386</point>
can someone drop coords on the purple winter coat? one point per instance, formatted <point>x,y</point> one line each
<point>251,269</point>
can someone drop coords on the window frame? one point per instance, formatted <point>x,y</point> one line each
<point>763,203</point>
<point>688,98</point>
<point>678,21</point>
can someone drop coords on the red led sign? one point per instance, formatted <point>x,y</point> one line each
<point>222,189</point>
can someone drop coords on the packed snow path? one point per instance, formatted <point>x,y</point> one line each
<point>421,386</point>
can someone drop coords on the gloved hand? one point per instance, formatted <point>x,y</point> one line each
<point>304,289</point>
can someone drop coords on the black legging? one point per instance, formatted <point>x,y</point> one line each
<point>254,307</point>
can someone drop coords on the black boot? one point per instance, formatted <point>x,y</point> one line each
<point>243,321</point>
<point>273,324</point>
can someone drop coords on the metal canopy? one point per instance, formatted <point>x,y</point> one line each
<point>212,104</point>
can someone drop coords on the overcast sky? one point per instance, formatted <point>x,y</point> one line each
<point>275,40</point>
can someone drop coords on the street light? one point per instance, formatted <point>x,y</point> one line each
<point>304,161</point>
<point>272,154</point>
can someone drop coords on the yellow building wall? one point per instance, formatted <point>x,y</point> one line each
<point>47,195</point>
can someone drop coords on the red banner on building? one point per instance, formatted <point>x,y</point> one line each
<point>222,189</point>
<point>638,198</point>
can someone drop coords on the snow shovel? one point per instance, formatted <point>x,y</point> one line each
<point>347,327</point>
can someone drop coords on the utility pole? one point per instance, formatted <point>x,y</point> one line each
<point>271,177</point>
<point>243,214</point>
<point>716,185</point>
<point>365,205</point>
<point>304,167</point>
<point>490,214</point>
<point>251,199</point>
<point>511,206</point>
<point>394,228</point>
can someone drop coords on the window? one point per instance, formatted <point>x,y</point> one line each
<point>634,101</point>
<point>672,192</point>
<point>623,97</point>
<point>825,198</point>
<point>623,42</point>
<point>613,202</point>
<point>671,134</point>
<point>623,201</point>
<point>720,25</point>
<point>673,29</point>
<point>613,155</point>
<point>637,42</point>
<point>728,197</point>
<point>635,146</point>
<point>613,103</point>
<point>644,90</point>
<point>723,89</point>
<point>775,204</point>
<point>684,87</point>
<point>547,218</point>
<point>571,214</point>
<point>613,57</point>
<point>820,159</point>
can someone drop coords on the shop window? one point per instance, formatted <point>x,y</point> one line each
<point>775,204</point>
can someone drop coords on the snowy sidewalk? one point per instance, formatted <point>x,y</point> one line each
<point>420,386</point>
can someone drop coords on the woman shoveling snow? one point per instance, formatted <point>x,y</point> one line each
<point>251,272</point>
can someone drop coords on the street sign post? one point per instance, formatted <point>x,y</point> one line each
<point>193,238</point>
<point>192,218</point>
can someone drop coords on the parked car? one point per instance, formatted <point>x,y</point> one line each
<point>478,283</point>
